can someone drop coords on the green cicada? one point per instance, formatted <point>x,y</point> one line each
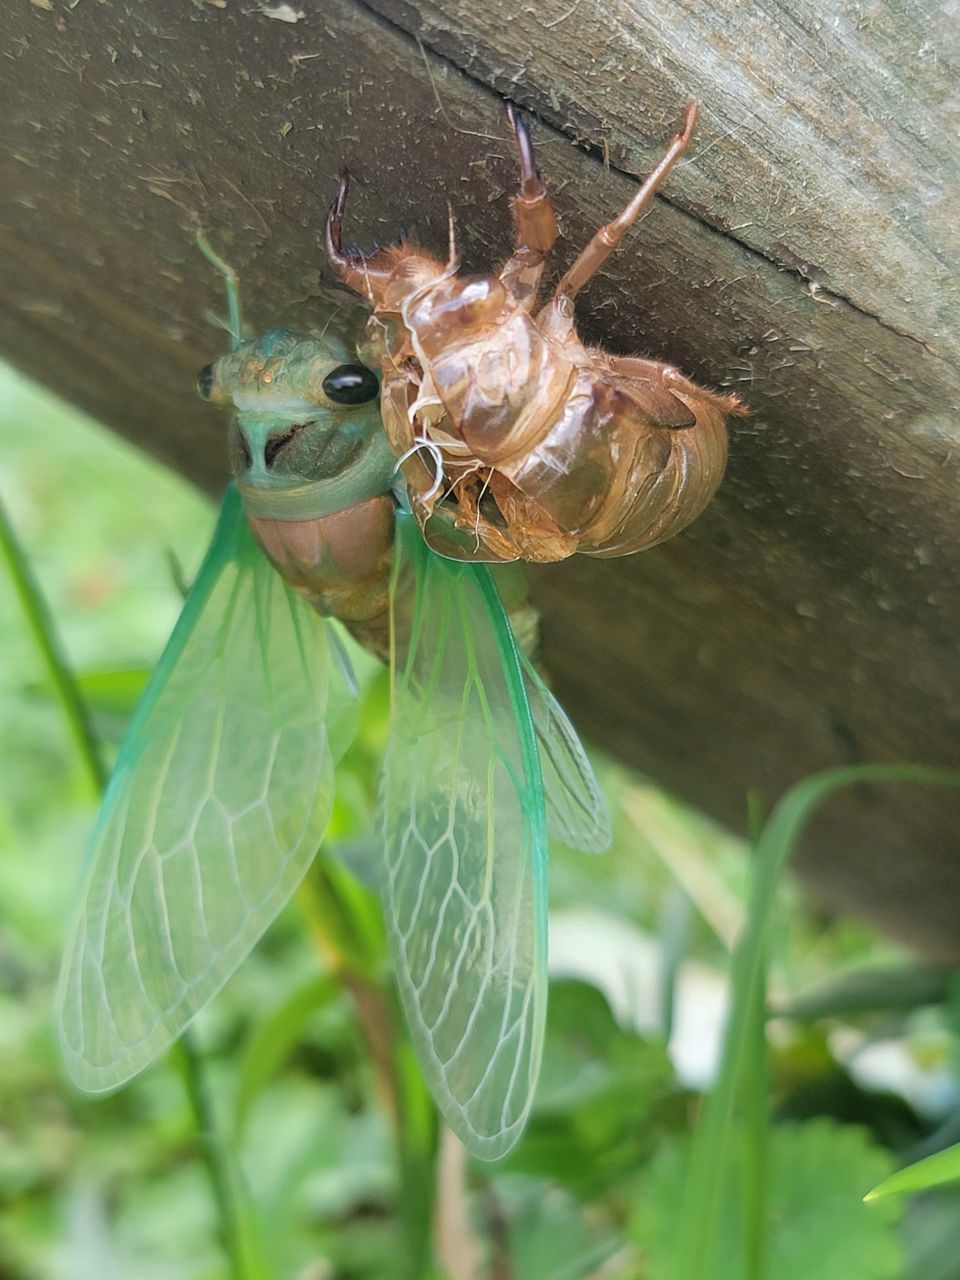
<point>225,781</point>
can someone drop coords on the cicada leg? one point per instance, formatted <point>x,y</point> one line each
<point>231,283</point>
<point>536,225</point>
<point>364,274</point>
<point>521,530</point>
<point>607,238</point>
<point>667,376</point>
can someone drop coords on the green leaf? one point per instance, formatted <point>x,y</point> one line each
<point>942,1167</point>
<point>275,1038</point>
<point>817,1225</point>
<point>872,990</point>
<point>594,1113</point>
<point>550,1236</point>
<point>113,691</point>
<point>314,1166</point>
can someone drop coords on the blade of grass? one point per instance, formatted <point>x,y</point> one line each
<point>237,1229</point>
<point>711,1146</point>
<point>936,1170</point>
<point>752,1102</point>
<point>754,1133</point>
<point>872,991</point>
<point>417,1145</point>
<point>675,920</point>
<point>235,1222</point>
<point>48,644</point>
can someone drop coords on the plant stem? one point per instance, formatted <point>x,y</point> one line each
<point>237,1235</point>
<point>348,938</point>
<point>752,1099</point>
<point>674,936</point>
<point>754,1138</point>
<point>44,635</point>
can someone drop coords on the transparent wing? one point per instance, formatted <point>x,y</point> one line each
<point>217,805</point>
<point>465,840</point>
<point>576,810</point>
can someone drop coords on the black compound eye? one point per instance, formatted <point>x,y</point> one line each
<point>205,382</point>
<point>351,384</point>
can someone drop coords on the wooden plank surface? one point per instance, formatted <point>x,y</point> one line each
<point>804,254</point>
<point>832,147</point>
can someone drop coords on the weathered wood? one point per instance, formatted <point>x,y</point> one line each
<point>832,148</point>
<point>805,254</point>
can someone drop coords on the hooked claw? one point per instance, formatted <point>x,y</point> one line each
<point>365,275</point>
<point>332,226</point>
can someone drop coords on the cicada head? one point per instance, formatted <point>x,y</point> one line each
<point>306,411</point>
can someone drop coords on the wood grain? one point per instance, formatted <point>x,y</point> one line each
<point>804,255</point>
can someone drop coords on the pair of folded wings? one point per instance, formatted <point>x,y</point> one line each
<point>223,789</point>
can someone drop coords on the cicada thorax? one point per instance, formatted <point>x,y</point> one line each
<point>315,472</point>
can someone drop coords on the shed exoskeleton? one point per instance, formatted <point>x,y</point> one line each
<point>518,441</point>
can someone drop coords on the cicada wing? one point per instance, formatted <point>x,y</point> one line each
<point>576,811</point>
<point>465,889</point>
<point>343,696</point>
<point>217,805</point>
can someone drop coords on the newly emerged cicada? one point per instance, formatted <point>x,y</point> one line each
<point>517,440</point>
<point>225,781</point>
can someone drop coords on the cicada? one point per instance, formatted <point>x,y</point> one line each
<point>224,783</point>
<point>518,441</point>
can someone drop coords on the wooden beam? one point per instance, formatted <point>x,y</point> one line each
<point>805,255</point>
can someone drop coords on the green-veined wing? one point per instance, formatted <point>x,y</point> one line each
<point>576,811</point>
<point>464,825</point>
<point>217,805</point>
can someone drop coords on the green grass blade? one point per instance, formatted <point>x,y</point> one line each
<point>702,1195</point>
<point>674,939</point>
<point>754,1133</point>
<point>753,1103</point>
<point>876,990</point>
<point>237,1227</point>
<point>51,652</point>
<point>346,924</point>
<point>940,1168</point>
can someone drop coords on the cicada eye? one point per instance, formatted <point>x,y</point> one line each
<point>351,384</point>
<point>205,382</point>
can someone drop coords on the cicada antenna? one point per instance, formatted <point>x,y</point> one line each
<point>330,319</point>
<point>231,283</point>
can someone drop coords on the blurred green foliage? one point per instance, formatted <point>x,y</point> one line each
<point>118,1187</point>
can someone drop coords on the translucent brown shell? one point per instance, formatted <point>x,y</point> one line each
<point>516,440</point>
